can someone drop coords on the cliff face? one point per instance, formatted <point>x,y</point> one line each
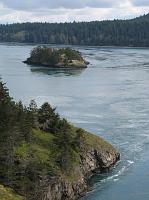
<point>91,162</point>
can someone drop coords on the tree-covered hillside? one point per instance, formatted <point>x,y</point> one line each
<point>34,144</point>
<point>40,152</point>
<point>134,32</point>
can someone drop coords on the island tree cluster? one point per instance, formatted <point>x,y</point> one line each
<point>42,55</point>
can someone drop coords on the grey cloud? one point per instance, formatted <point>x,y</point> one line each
<point>53,4</point>
<point>140,2</point>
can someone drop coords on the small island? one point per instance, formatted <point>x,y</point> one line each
<point>56,58</point>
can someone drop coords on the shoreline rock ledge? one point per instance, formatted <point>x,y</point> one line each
<point>93,160</point>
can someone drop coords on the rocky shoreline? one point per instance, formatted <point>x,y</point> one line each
<point>91,162</point>
<point>78,65</point>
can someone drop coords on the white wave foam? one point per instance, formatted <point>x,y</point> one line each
<point>130,162</point>
<point>124,143</point>
<point>116,179</point>
<point>115,176</point>
<point>119,173</point>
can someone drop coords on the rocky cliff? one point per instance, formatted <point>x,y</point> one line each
<point>97,159</point>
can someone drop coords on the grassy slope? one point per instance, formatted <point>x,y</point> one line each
<point>8,194</point>
<point>97,142</point>
<point>45,152</point>
<point>41,149</point>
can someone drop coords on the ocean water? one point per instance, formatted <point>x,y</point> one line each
<point>110,98</point>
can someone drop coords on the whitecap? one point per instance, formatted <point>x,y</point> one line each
<point>130,161</point>
<point>116,179</point>
<point>115,176</point>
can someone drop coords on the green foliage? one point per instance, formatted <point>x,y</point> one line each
<point>42,137</point>
<point>34,143</point>
<point>23,150</point>
<point>8,194</point>
<point>91,140</point>
<point>65,143</point>
<point>70,54</point>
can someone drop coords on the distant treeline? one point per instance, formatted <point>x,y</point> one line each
<point>134,32</point>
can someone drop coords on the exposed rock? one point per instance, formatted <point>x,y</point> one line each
<point>90,162</point>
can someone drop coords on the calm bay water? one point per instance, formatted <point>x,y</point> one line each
<point>109,98</point>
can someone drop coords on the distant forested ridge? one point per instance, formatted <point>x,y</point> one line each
<point>133,32</point>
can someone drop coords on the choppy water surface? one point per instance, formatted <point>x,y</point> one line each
<point>109,98</point>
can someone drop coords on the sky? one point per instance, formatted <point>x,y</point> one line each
<point>12,11</point>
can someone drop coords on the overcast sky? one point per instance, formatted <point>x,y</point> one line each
<point>70,10</point>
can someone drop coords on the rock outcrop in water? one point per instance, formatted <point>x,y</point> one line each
<point>56,58</point>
